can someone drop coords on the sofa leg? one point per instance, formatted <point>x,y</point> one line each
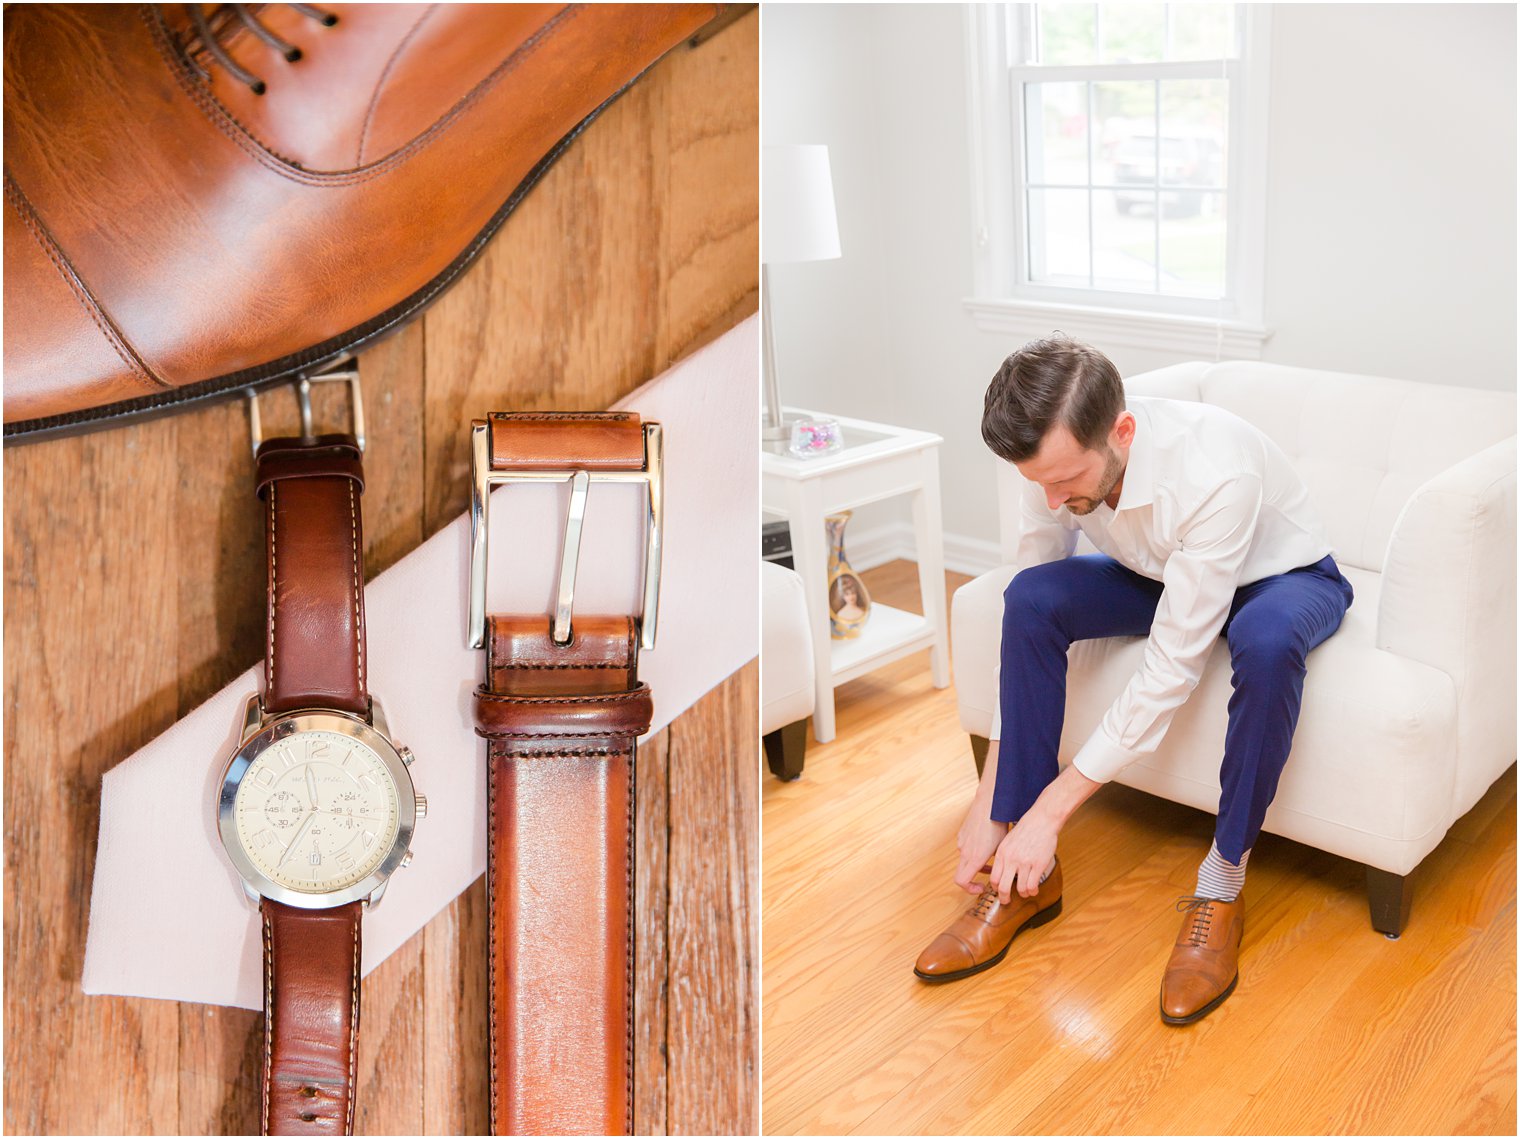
<point>1389,896</point>
<point>979,746</point>
<point>785,748</point>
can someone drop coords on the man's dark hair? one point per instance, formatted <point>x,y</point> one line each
<point>1047,382</point>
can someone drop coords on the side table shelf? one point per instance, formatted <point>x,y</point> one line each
<point>878,461</point>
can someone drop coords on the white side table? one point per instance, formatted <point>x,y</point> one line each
<point>877,461</point>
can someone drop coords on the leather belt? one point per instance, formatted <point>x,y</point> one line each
<point>561,709</point>
<point>314,659</point>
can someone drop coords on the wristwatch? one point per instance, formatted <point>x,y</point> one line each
<point>561,709</point>
<point>316,807</point>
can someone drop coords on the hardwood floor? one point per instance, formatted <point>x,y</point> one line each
<point>1333,1028</point>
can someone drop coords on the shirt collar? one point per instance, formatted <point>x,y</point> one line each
<point>1139,489</point>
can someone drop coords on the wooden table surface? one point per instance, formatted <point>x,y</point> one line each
<point>133,582</point>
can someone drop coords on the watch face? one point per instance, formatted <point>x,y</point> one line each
<point>316,809</point>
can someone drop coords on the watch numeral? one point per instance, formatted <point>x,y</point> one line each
<point>317,749</point>
<point>264,776</point>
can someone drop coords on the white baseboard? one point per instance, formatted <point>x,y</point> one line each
<point>881,544</point>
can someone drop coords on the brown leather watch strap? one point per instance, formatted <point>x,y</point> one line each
<point>311,1018</point>
<point>314,657</point>
<point>561,721</point>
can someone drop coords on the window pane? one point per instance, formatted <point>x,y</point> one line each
<point>1192,244</point>
<point>1125,129</point>
<point>1058,253</point>
<point>1132,33</point>
<point>1202,31</point>
<point>1124,240</point>
<point>1065,33</point>
<point>1195,117</point>
<point>1056,127</point>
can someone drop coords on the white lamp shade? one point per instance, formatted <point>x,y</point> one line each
<point>797,205</point>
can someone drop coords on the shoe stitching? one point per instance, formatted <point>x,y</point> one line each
<point>374,99</point>
<point>65,269</point>
<point>226,122</point>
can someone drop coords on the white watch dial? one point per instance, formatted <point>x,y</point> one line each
<point>317,811</point>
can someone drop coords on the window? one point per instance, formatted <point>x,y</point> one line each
<point>1119,167</point>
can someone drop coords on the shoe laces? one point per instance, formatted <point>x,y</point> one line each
<point>228,16</point>
<point>1202,910</point>
<point>985,902</point>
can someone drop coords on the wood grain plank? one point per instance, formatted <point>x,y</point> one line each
<point>713,918</point>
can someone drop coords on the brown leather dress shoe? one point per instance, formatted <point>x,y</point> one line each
<point>203,198</point>
<point>980,937</point>
<point>1204,966</point>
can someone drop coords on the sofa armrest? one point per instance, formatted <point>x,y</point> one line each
<point>1448,588</point>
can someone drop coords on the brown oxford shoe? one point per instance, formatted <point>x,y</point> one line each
<point>205,198</point>
<point>1204,966</point>
<point>980,937</point>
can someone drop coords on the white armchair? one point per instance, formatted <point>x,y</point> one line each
<point>1409,709</point>
<point>786,670</point>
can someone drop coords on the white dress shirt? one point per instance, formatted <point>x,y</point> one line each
<point>1208,504</point>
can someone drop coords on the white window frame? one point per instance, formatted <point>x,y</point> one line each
<point>1005,301</point>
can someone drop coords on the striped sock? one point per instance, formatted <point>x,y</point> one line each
<point>1219,879</point>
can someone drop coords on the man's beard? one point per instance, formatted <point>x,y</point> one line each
<point>1113,470</point>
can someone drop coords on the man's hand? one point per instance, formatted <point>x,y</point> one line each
<point>1023,857</point>
<point>978,838</point>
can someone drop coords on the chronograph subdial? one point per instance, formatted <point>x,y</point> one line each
<point>283,810</point>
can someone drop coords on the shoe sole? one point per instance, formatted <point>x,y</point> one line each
<point>323,355</point>
<point>1048,914</point>
<point>1206,1009</point>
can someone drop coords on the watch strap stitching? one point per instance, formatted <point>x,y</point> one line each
<point>268,1020</point>
<point>353,515</point>
<point>353,1024</point>
<point>269,657</point>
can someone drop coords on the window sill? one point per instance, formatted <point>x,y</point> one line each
<point>1196,338</point>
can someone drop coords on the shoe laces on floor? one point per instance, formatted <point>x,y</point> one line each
<point>1202,910</point>
<point>210,38</point>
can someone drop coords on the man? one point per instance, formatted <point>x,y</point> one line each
<point>1204,528</point>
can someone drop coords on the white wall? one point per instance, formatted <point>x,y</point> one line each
<point>1390,224</point>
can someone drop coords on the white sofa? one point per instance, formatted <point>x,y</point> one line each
<point>1409,709</point>
<point>786,670</point>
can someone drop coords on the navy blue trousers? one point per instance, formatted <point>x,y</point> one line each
<point>1273,624</point>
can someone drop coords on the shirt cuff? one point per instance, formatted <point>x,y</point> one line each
<point>1101,758</point>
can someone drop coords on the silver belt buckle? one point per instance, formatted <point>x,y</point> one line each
<point>652,475</point>
<point>345,370</point>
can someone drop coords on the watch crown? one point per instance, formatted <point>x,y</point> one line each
<point>406,860</point>
<point>422,806</point>
<point>407,756</point>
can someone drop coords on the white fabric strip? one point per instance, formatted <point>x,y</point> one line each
<point>168,917</point>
